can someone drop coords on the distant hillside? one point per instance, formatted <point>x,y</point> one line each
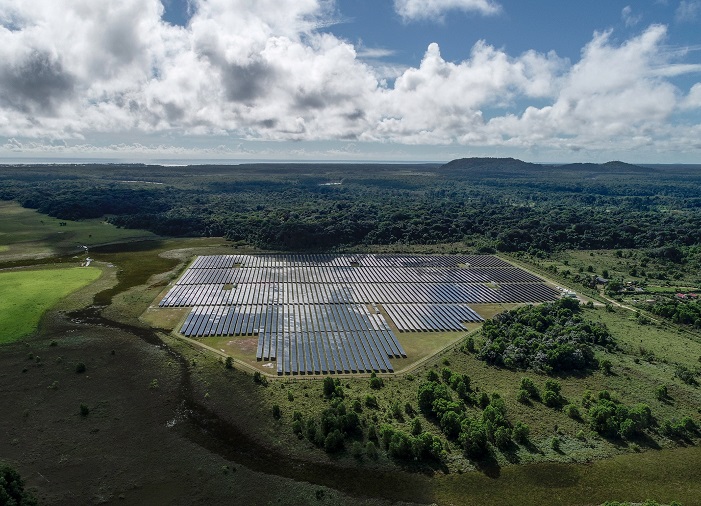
<point>512,165</point>
<point>490,165</point>
<point>608,167</point>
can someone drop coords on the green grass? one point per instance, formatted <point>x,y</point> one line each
<point>25,233</point>
<point>26,295</point>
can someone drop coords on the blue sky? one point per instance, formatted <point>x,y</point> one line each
<point>351,80</point>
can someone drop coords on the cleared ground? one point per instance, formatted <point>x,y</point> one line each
<point>26,294</point>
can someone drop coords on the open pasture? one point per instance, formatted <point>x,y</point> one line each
<point>320,314</point>
<point>25,234</point>
<point>26,294</point>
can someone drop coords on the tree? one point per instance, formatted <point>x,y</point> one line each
<point>12,489</point>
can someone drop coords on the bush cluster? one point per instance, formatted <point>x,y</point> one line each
<point>613,419</point>
<point>551,337</point>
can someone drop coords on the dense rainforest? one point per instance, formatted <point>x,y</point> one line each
<point>489,203</point>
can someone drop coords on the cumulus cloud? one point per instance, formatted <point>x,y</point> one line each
<point>266,71</point>
<point>413,10</point>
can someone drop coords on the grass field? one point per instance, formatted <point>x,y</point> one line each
<point>26,295</point>
<point>25,233</point>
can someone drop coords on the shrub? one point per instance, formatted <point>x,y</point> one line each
<point>416,427</point>
<point>276,412</point>
<point>522,396</point>
<point>371,401</point>
<point>329,387</point>
<point>12,488</point>
<point>470,344</point>
<point>530,387</point>
<point>80,368</point>
<point>376,382</point>
<point>502,437</point>
<point>432,375</point>
<point>551,399</point>
<point>333,441</point>
<point>605,365</point>
<point>555,443</point>
<point>229,363</point>
<point>572,411</point>
<point>259,379</point>
<point>371,450</point>
<point>84,410</point>
<point>661,392</point>
<point>357,450</point>
<point>520,432</point>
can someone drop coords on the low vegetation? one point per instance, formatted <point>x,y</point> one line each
<point>25,295</point>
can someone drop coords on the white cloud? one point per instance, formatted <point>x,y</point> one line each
<point>413,10</point>
<point>629,18</point>
<point>262,71</point>
<point>688,11</point>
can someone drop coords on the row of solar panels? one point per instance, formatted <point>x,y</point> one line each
<point>430,317</point>
<point>330,352</point>
<point>325,274</point>
<point>297,293</point>
<point>283,260</point>
<point>279,318</point>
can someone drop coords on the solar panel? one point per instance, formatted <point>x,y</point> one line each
<point>320,313</point>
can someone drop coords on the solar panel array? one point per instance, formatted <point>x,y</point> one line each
<point>315,314</point>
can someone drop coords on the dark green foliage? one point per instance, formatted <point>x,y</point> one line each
<point>376,382</point>
<point>357,450</point>
<point>432,375</point>
<point>616,420</point>
<point>333,441</point>
<point>661,393</point>
<point>572,411</point>
<point>523,397</point>
<point>684,312</point>
<point>371,450</point>
<point>276,412</point>
<point>555,443</point>
<point>473,438</point>
<point>329,387</point>
<point>80,368</point>
<point>371,401</point>
<point>685,374</point>
<point>259,379</point>
<point>12,491</point>
<point>499,204</point>
<point>530,388</point>
<point>551,394</point>
<point>416,427</point>
<point>550,337</point>
<point>446,374</point>
<point>521,432</point>
<point>606,366</point>
<point>679,428</point>
<point>502,437</point>
<point>470,344</point>
<point>450,424</point>
<point>229,363</point>
<point>429,393</point>
<point>84,410</point>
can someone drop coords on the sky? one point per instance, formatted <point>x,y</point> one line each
<point>184,81</point>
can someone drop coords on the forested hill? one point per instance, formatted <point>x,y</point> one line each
<point>486,203</point>
<point>485,166</point>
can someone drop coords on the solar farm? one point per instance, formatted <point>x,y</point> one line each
<point>320,314</point>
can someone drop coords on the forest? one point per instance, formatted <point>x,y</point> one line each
<point>490,204</point>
